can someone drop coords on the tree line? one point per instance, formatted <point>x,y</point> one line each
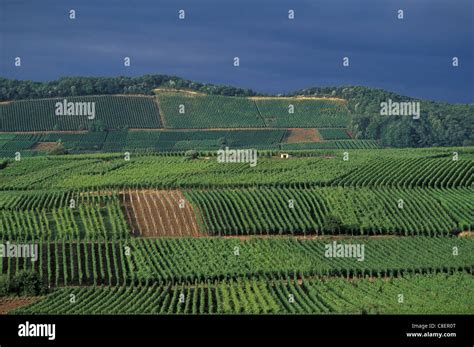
<point>80,86</point>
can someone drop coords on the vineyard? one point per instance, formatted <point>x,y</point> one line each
<point>184,260</point>
<point>181,110</point>
<point>180,121</point>
<point>324,168</point>
<point>210,111</point>
<point>433,172</point>
<point>60,215</point>
<point>115,112</point>
<point>264,211</point>
<point>294,112</point>
<point>169,170</point>
<point>427,294</point>
<point>129,221</point>
<point>169,141</point>
<point>340,144</point>
<point>334,134</point>
<point>306,211</point>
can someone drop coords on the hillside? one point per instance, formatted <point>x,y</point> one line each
<point>175,121</point>
<point>440,124</point>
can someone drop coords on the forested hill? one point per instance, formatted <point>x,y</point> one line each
<point>80,86</point>
<point>440,124</point>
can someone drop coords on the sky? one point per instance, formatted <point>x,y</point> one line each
<point>412,56</point>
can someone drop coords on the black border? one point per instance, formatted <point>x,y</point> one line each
<point>138,330</point>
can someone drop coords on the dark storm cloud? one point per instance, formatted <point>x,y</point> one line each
<point>412,56</point>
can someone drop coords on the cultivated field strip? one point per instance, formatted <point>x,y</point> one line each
<point>116,112</point>
<point>143,141</point>
<point>209,111</point>
<point>187,260</point>
<point>190,259</point>
<point>459,203</point>
<point>429,294</point>
<point>180,111</point>
<point>306,113</point>
<point>37,216</point>
<point>333,144</point>
<point>408,173</point>
<point>153,213</point>
<point>65,263</point>
<point>365,168</point>
<point>214,111</point>
<point>334,134</point>
<point>269,211</point>
<point>179,140</point>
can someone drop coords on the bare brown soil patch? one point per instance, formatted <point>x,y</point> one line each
<point>10,304</point>
<point>466,234</point>
<point>155,213</point>
<point>296,135</point>
<point>44,146</point>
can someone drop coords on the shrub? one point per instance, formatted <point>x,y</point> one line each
<point>191,154</point>
<point>4,285</point>
<point>58,149</point>
<point>26,283</point>
<point>332,224</point>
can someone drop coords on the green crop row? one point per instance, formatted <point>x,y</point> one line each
<point>421,294</point>
<point>111,112</point>
<point>187,260</point>
<point>267,211</point>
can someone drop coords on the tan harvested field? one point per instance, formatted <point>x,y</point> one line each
<point>155,213</point>
<point>9,304</point>
<point>302,135</point>
<point>298,97</point>
<point>44,146</point>
<point>466,234</point>
<point>182,91</point>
